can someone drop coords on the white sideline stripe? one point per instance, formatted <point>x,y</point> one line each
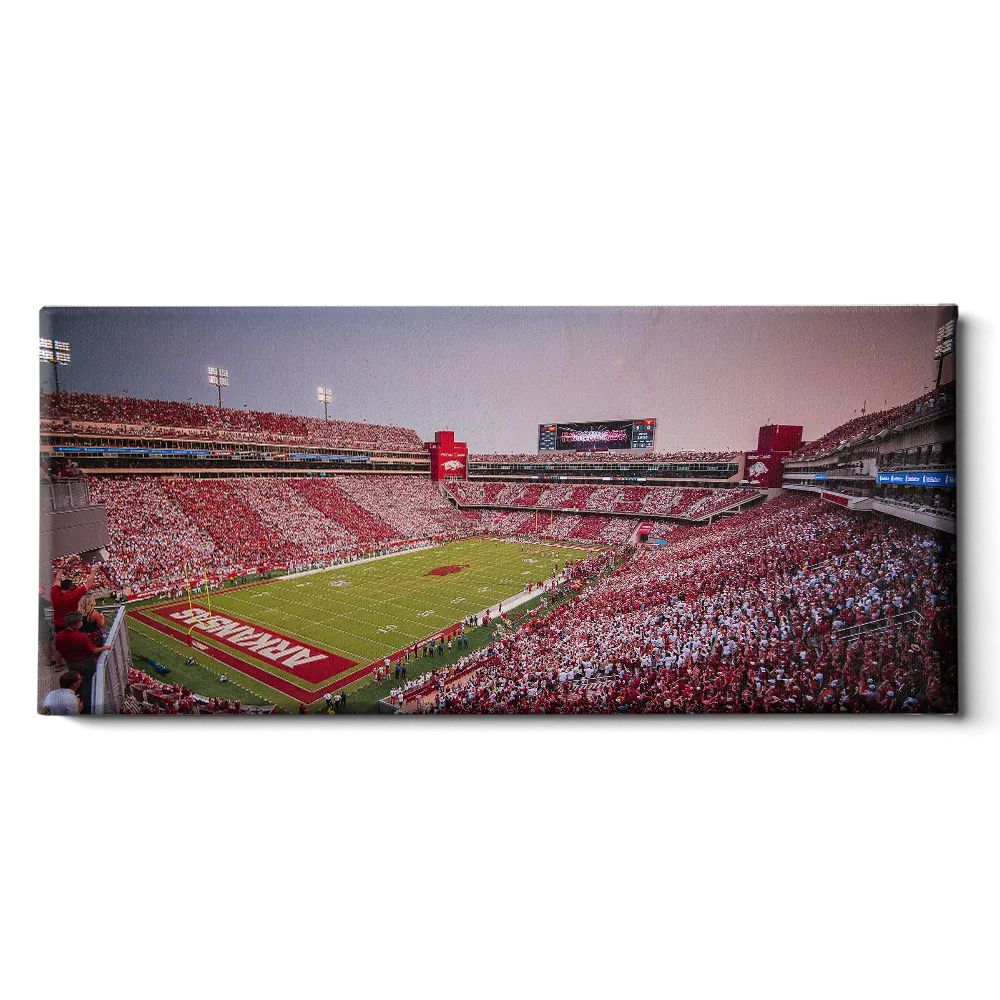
<point>355,562</point>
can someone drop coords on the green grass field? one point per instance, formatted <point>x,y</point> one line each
<point>353,614</point>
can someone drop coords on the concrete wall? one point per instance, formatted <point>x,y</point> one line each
<point>61,533</point>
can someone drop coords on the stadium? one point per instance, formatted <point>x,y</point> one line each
<point>248,561</point>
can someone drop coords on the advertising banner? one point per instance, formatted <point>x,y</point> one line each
<point>916,479</point>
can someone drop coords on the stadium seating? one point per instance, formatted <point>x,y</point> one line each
<point>74,569</point>
<point>410,505</point>
<point>859,428</point>
<point>792,606</point>
<point>237,528</point>
<point>145,695</point>
<point>130,417</point>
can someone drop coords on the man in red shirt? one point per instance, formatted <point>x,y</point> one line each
<point>80,655</point>
<point>65,597</point>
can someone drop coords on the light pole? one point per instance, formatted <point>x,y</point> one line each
<point>219,377</point>
<point>325,396</point>
<point>56,352</point>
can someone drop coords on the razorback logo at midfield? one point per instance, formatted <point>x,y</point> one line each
<point>445,570</point>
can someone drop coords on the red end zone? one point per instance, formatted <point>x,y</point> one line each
<point>312,664</point>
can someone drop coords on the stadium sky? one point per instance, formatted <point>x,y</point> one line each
<point>711,376</point>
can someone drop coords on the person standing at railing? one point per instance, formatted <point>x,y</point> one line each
<point>93,620</point>
<point>66,598</point>
<point>80,655</point>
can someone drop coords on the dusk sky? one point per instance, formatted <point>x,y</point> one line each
<point>711,376</point>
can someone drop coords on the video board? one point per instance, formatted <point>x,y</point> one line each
<point>598,435</point>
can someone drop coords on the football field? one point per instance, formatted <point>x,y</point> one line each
<point>297,638</point>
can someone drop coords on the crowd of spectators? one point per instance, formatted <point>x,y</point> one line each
<point>144,695</point>
<point>604,457</point>
<point>790,607</point>
<point>596,528</point>
<point>329,497</point>
<point>127,416</point>
<point>717,500</point>
<point>410,505</point>
<point>238,529</point>
<point>74,568</point>
<point>154,544</point>
<point>286,510</point>
<point>661,530</point>
<point>503,522</point>
<point>868,424</point>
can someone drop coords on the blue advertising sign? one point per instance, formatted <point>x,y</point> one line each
<point>820,476</point>
<point>128,451</point>
<point>916,478</point>
<point>110,450</point>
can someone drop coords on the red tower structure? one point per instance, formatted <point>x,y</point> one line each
<point>774,442</point>
<point>449,458</point>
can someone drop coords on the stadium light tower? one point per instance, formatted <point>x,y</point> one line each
<point>326,398</point>
<point>56,352</point>
<point>219,377</point>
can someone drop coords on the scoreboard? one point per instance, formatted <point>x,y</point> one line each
<point>598,435</point>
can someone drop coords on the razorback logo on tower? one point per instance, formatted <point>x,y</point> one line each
<point>452,464</point>
<point>763,470</point>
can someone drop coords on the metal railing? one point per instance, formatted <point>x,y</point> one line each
<point>64,494</point>
<point>112,666</point>
<point>879,625</point>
